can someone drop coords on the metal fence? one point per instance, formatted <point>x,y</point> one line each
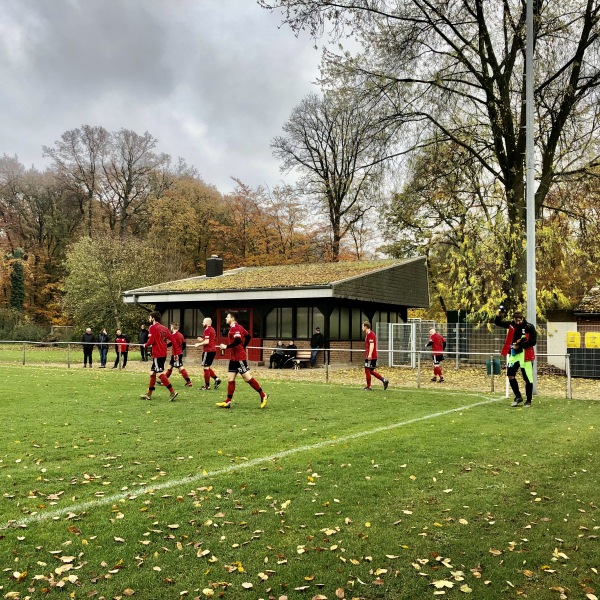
<point>472,343</point>
<point>472,363</point>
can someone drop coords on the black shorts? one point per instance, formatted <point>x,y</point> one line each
<point>176,361</point>
<point>238,366</point>
<point>207,359</point>
<point>158,364</point>
<point>438,358</point>
<point>370,364</point>
<point>512,370</point>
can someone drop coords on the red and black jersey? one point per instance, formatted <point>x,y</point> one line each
<point>370,338</point>
<point>211,335</point>
<point>158,337</point>
<point>437,343</point>
<point>237,332</point>
<point>177,343</point>
<point>121,344</point>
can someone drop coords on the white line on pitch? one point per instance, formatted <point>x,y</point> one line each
<point>74,508</point>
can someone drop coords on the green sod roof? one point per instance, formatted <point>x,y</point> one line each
<point>277,276</point>
<point>590,302</point>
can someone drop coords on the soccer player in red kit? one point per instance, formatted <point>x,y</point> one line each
<point>208,341</point>
<point>438,345</point>
<point>158,337</point>
<point>177,348</point>
<point>371,358</point>
<point>238,339</point>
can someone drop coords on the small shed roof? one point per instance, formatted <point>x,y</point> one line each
<point>590,303</point>
<point>392,281</point>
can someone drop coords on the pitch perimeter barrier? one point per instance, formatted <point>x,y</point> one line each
<point>484,372</point>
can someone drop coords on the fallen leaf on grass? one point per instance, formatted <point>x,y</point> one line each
<point>557,554</point>
<point>528,573</point>
<point>547,569</point>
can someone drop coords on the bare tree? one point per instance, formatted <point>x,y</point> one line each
<point>131,172</point>
<point>114,171</point>
<point>337,146</point>
<point>11,178</point>
<point>77,157</point>
<point>456,70</point>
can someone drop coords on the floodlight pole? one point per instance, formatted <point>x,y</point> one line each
<point>530,177</point>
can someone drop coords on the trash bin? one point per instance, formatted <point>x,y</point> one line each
<point>488,366</point>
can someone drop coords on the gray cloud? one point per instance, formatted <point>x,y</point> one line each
<point>212,80</point>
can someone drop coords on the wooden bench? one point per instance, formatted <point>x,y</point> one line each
<point>302,356</point>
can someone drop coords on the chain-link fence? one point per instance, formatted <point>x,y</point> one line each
<point>562,356</point>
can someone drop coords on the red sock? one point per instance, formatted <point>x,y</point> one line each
<point>206,377</point>
<point>212,374</point>
<point>152,384</point>
<point>184,374</point>
<point>377,375</point>
<point>168,373</point>
<point>165,381</point>
<point>255,385</point>
<point>368,376</point>
<point>230,389</point>
<point>437,371</point>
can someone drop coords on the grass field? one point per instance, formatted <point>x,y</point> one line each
<point>330,492</point>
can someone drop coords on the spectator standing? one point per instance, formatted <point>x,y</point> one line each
<point>317,341</point>
<point>519,348</point>
<point>438,345</point>
<point>177,348</point>
<point>208,342</point>
<point>87,341</point>
<point>371,358</point>
<point>121,348</point>
<point>158,337</point>
<point>142,340</point>
<point>103,341</point>
<point>238,339</point>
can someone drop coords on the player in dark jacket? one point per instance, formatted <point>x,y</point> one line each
<point>519,348</point>
<point>103,341</point>
<point>87,341</point>
<point>142,340</point>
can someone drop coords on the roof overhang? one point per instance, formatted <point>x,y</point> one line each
<point>227,296</point>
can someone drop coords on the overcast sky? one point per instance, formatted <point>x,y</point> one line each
<point>212,80</point>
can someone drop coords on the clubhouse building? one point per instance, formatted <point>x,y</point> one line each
<point>287,302</point>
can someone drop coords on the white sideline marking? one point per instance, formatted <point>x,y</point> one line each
<point>74,508</point>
